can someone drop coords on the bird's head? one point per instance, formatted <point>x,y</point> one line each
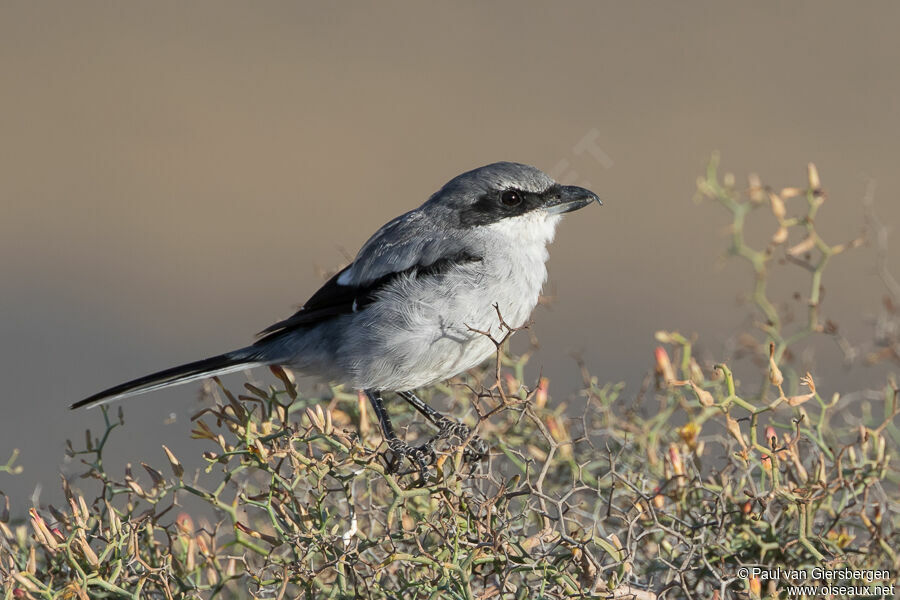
<point>505,191</point>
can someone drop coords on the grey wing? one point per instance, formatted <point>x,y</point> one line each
<point>411,240</point>
<point>407,246</point>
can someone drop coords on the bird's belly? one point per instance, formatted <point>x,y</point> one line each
<point>426,333</point>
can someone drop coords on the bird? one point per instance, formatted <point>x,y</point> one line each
<point>419,303</point>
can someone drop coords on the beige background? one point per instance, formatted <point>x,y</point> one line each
<point>174,176</point>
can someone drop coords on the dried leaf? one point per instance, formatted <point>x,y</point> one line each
<point>156,476</point>
<point>780,236</point>
<point>664,366</point>
<point>806,380</point>
<point>675,460</point>
<point>705,398</point>
<point>775,375</point>
<point>791,192</point>
<point>814,182</point>
<point>735,430</point>
<point>803,247</point>
<point>540,398</point>
<point>287,378</point>
<point>362,402</point>
<point>777,206</point>
<point>177,469</point>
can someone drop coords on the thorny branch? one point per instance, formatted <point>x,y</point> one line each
<point>663,494</point>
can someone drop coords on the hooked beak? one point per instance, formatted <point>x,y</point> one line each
<point>568,198</point>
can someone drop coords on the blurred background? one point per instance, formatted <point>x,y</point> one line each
<point>176,176</point>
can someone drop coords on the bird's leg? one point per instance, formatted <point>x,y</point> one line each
<point>420,457</point>
<point>447,427</point>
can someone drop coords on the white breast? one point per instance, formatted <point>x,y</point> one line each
<point>517,256</point>
<point>423,334</point>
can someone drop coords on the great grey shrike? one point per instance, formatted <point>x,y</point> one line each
<point>404,314</point>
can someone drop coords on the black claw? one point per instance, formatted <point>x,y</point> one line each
<point>475,450</point>
<point>397,445</point>
<point>423,456</point>
<point>420,456</point>
<point>450,428</point>
<point>428,453</point>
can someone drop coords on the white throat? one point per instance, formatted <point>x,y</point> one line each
<point>533,228</point>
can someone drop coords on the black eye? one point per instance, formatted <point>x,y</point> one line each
<point>510,198</point>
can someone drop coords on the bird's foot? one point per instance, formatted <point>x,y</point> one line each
<point>420,456</point>
<point>475,449</point>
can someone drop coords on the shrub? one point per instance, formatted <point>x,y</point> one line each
<point>669,492</point>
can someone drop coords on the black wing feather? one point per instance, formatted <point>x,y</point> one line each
<point>334,299</point>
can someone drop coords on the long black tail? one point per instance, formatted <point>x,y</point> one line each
<point>208,367</point>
